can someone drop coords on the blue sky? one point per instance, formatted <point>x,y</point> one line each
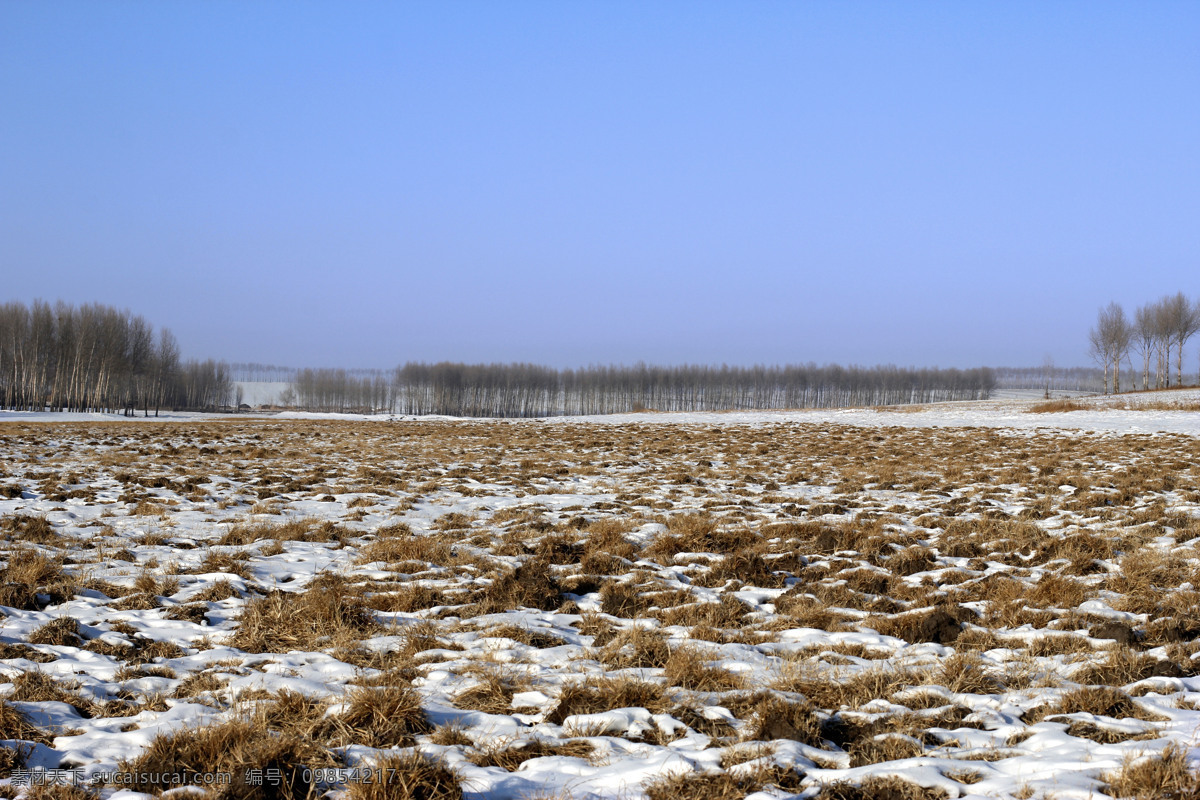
<point>362,184</point>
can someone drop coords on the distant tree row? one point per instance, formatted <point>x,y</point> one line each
<point>530,390</point>
<point>98,358</point>
<point>341,390</point>
<point>1049,377</point>
<point>251,372</point>
<point>1156,330</point>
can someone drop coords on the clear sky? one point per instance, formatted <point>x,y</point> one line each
<point>362,184</point>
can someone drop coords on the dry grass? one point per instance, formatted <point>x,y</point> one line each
<point>846,689</point>
<point>30,573</point>
<point>60,631</point>
<point>1168,775</point>
<point>606,694</point>
<point>198,684</point>
<point>330,612</point>
<point>531,585</point>
<point>691,667</point>
<point>397,544</point>
<point>511,755</point>
<point>635,647</point>
<point>409,776</point>
<point>40,687</point>
<point>966,672</point>
<point>234,748</point>
<point>493,691</point>
<point>722,786</point>
<point>383,717</point>
<point>1055,406</point>
<point>954,542</point>
<point>12,758</point>
<point>940,625</point>
<point>873,788</point>
<point>15,725</point>
<point>1102,701</point>
<point>884,748</point>
<point>67,791</point>
<point>774,717</point>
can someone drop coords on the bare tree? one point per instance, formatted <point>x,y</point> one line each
<point>1047,375</point>
<point>1100,349</point>
<point>1181,321</point>
<point>1120,332</point>
<point>1109,342</point>
<point>166,368</point>
<point>140,357</point>
<point>1144,332</point>
<point>1162,343</point>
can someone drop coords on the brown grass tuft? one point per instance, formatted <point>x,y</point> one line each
<point>494,691</point>
<point>59,791</point>
<point>874,788</point>
<point>775,717</point>
<point>15,726</point>
<point>1101,701</point>
<point>407,776</point>
<point>606,694</point>
<point>329,612</point>
<point>941,625</point>
<point>883,748</point>
<point>1056,406</point>
<point>722,786</point>
<point>39,687</point>
<point>510,755</point>
<point>398,544</point>
<point>530,585</point>
<point>1166,776</point>
<point>688,666</point>
<point>29,573</point>
<point>965,672</point>
<point>384,717</point>
<point>235,748</point>
<point>12,758</point>
<point>61,631</point>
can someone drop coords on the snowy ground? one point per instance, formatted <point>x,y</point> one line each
<point>960,600</point>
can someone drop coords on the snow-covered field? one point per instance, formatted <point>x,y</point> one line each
<point>960,600</point>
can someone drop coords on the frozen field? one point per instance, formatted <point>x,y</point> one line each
<point>961,600</point>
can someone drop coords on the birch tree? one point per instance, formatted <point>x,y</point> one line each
<point>1181,322</point>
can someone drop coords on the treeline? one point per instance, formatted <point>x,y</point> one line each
<point>1050,378</point>
<point>1146,340</point>
<point>341,390</point>
<point>530,390</point>
<point>251,372</point>
<point>98,358</point>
